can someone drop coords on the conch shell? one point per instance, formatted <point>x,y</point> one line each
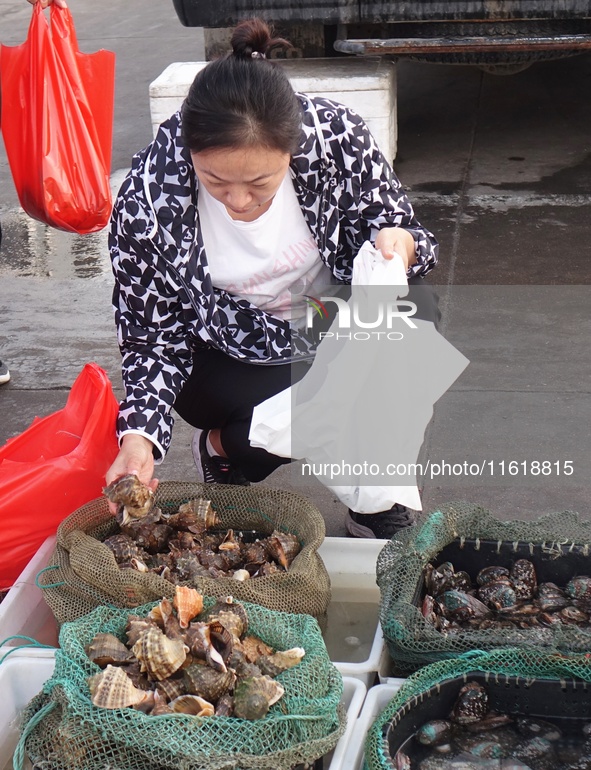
<point>193,705</point>
<point>160,705</point>
<point>229,543</point>
<point>135,628</point>
<point>164,617</point>
<point>106,649</point>
<point>241,574</point>
<point>188,603</point>
<point>280,661</point>
<point>207,682</point>
<point>253,648</point>
<point>134,499</point>
<point>254,696</point>
<point>158,655</point>
<point>171,688</point>
<point>225,706</point>
<point>113,689</point>
<point>229,605</point>
<point>222,643</point>
<point>204,515</point>
<point>198,638</point>
<point>123,548</point>
<point>283,547</point>
<point>232,623</point>
<point>243,667</point>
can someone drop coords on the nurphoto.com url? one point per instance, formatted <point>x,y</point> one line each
<point>433,470</point>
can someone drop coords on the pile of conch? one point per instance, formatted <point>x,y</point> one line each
<point>182,660</point>
<point>188,544</point>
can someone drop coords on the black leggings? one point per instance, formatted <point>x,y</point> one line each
<point>221,392</point>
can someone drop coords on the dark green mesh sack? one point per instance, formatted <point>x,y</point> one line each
<point>63,729</point>
<point>83,573</point>
<point>471,538</point>
<point>518,682</point>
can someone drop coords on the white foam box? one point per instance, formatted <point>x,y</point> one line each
<point>366,85</point>
<point>386,670</point>
<point>22,675</point>
<point>24,610</point>
<point>351,565</point>
<point>376,700</point>
<point>354,692</point>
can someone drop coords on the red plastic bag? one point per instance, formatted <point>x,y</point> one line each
<point>55,466</point>
<point>57,124</point>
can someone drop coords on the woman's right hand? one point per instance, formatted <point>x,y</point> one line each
<point>135,456</point>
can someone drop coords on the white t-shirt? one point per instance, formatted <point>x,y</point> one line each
<point>272,262</point>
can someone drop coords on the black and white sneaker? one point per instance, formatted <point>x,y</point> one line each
<point>381,525</point>
<point>4,374</point>
<point>214,470</point>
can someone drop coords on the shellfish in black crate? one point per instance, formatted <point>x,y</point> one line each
<point>480,721</point>
<point>443,593</point>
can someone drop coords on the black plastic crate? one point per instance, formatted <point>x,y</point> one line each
<point>553,562</point>
<point>564,702</point>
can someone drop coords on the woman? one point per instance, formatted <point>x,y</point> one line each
<point>248,195</point>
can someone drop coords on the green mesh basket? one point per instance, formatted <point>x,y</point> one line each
<point>63,729</point>
<point>471,538</point>
<point>529,683</point>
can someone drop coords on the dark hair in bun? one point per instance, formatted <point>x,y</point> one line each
<point>255,36</point>
<point>242,99</point>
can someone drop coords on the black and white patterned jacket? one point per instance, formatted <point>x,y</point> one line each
<point>165,303</point>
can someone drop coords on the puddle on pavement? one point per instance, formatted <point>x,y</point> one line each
<point>30,248</point>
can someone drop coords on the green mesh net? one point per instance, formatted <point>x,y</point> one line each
<point>83,573</point>
<point>63,729</point>
<point>471,538</point>
<point>519,682</point>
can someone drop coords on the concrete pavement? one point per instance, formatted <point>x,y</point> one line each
<point>498,167</point>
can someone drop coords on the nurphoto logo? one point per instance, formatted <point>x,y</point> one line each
<point>350,316</point>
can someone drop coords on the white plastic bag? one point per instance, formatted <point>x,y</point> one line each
<point>371,269</point>
<point>364,403</point>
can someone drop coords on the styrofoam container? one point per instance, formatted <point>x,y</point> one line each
<point>386,675</point>
<point>366,85</point>
<point>351,565</point>
<point>24,610</point>
<point>354,692</point>
<point>22,675</point>
<point>376,700</point>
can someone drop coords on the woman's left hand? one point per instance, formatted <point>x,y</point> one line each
<point>399,240</point>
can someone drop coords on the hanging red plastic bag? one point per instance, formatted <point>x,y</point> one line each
<point>55,466</point>
<point>57,124</point>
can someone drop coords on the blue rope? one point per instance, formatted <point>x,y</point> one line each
<point>48,585</point>
<point>472,654</point>
<point>19,753</point>
<point>34,643</point>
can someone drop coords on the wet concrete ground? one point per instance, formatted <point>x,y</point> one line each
<point>497,167</point>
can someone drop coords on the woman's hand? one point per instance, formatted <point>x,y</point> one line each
<point>135,456</point>
<point>397,239</point>
<point>45,3</point>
